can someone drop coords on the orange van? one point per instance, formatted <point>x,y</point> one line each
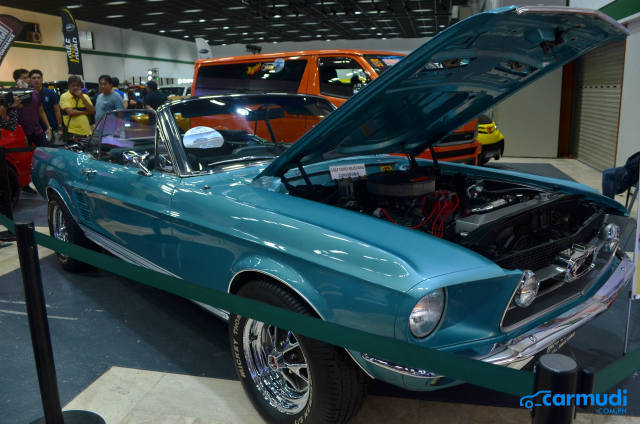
<point>333,74</point>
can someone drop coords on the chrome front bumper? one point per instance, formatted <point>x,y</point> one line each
<point>550,334</point>
<point>517,352</point>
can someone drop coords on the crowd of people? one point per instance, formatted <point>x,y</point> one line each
<point>67,119</point>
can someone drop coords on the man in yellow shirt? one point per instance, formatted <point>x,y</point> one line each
<point>77,108</point>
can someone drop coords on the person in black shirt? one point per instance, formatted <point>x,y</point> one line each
<point>154,98</point>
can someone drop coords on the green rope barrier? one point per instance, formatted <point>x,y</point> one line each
<point>617,371</point>
<point>495,377</point>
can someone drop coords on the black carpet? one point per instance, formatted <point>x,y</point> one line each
<point>543,169</point>
<point>99,320</point>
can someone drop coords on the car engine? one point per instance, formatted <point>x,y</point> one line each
<point>517,226</point>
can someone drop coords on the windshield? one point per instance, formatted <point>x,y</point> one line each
<point>220,130</point>
<point>172,91</point>
<point>382,62</point>
<point>268,76</point>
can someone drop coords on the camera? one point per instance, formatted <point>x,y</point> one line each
<point>6,96</point>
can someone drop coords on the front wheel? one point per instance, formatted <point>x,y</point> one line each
<point>290,378</point>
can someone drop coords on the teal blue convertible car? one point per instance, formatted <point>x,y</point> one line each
<point>484,263</point>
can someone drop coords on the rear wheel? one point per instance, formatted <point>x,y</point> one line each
<point>63,227</point>
<point>288,377</point>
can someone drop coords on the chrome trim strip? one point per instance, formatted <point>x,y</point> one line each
<point>46,192</point>
<point>122,252</point>
<point>280,280</point>
<point>399,368</point>
<point>517,352</point>
<point>220,313</point>
<point>134,258</point>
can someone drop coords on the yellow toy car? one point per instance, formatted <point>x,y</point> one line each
<point>491,139</point>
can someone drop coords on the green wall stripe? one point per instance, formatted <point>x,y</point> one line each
<point>620,9</point>
<point>98,53</point>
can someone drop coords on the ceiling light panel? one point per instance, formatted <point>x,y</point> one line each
<point>350,19</point>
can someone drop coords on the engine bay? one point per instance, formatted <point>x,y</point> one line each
<point>511,224</point>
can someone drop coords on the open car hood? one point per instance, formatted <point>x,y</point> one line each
<point>450,80</point>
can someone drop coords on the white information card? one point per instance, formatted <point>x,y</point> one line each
<point>345,172</point>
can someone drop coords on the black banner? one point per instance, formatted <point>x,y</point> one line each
<point>71,43</point>
<point>9,28</point>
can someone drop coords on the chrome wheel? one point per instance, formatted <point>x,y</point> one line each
<point>59,226</point>
<point>277,366</point>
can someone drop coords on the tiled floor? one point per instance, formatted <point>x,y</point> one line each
<point>127,396</point>
<point>133,396</point>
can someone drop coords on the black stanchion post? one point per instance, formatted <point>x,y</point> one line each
<point>558,374</point>
<point>5,189</point>
<point>40,337</point>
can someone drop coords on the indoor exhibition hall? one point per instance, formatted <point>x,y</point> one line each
<point>319,212</point>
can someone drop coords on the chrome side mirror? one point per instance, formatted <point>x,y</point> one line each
<point>134,159</point>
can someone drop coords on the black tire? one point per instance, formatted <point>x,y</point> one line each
<point>73,234</point>
<point>337,387</point>
<point>14,186</point>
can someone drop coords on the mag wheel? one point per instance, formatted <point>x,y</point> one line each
<point>64,228</point>
<point>290,378</point>
<point>277,365</point>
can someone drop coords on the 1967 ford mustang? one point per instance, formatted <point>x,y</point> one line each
<point>484,263</point>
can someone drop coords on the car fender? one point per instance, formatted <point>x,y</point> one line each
<point>284,274</point>
<point>296,282</point>
<point>57,188</point>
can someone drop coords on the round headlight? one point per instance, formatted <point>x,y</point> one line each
<point>426,314</point>
<point>610,234</point>
<point>527,289</point>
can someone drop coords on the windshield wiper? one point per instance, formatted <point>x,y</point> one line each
<point>242,159</point>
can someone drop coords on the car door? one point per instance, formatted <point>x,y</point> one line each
<point>131,209</point>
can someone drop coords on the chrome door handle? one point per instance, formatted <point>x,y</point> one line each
<point>87,172</point>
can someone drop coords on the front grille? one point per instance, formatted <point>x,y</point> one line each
<point>544,254</point>
<point>554,293</point>
<point>454,153</point>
